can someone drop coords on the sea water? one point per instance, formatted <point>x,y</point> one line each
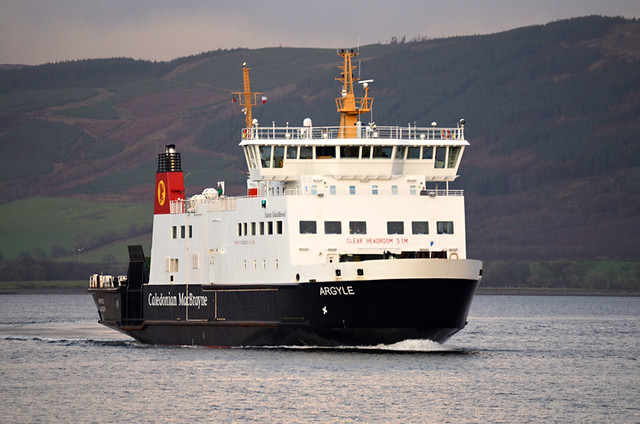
<point>540,359</point>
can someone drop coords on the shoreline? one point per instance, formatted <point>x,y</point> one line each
<point>481,291</point>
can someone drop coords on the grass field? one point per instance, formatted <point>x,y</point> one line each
<point>37,225</point>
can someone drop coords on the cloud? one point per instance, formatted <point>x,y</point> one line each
<point>38,31</point>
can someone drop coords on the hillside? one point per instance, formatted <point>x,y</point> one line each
<point>552,112</point>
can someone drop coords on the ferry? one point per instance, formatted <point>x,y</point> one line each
<point>348,235</point>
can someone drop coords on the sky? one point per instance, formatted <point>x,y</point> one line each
<point>33,32</point>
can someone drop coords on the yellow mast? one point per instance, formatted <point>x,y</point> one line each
<point>247,99</point>
<point>349,106</point>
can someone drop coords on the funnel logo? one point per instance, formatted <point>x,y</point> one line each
<point>162,193</point>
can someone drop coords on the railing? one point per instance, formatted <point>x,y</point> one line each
<point>229,203</point>
<point>362,131</point>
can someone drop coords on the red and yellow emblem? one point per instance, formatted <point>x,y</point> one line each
<point>162,193</point>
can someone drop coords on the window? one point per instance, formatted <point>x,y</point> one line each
<point>253,228</point>
<point>314,189</point>
<point>308,227</point>
<point>454,152</point>
<point>325,152</point>
<point>332,190</point>
<point>441,153</point>
<point>427,152</point>
<point>394,189</point>
<point>306,152</point>
<point>174,232</point>
<point>400,152</point>
<point>265,156</point>
<point>357,227</point>
<point>239,229</point>
<point>366,152</point>
<point>332,227</point>
<point>190,231</point>
<point>278,156</point>
<point>395,227</point>
<point>262,228</point>
<point>412,190</point>
<point>270,227</point>
<point>349,152</point>
<point>382,152</point>
<point>352,190</point>
<point>445,227</point>
<point>244,229</point>
<point>374,190</point>
<point>420,227</point>
<point>413,153</point>
<point>292,152</point>
<point>183,232</point>
<point>279,227</point>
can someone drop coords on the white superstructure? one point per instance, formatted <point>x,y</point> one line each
<point>324,204</point>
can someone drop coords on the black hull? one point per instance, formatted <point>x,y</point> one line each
<point>348,313</point>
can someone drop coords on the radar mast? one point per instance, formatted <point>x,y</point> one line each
<point>247,99</point>
<point>349,106</point>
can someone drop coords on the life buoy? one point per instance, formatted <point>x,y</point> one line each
<point>244,133</point>
<point>445,134</point>
<point>454,255</point>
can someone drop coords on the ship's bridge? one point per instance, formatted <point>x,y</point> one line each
<point>377,152</point>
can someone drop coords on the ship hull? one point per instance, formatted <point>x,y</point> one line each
<point>344,313</point>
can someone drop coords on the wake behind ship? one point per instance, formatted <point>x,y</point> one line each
<point>348,235</point>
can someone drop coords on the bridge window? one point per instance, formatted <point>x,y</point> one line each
<point>413,152</point>
<point>265,156</point>
<point>441,154</point>
<point>382,152</point>
<point>419,227</point>
<point>400,152</point>
<point>251,159</point>
<point>306,152</point>
<point>366,152</point>
<point>454,152</point>
<point>395,227</point>
<point>349,152</point>
<point>292,152</point>
<point>325,152</point>
<point>332,227</point>
<point>427,152</point>
<point>357,227</point>
<point>445,227</point>
<point>278,156</point>
<point>308,227</point>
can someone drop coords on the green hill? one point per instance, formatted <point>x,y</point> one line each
<point>552,112</point>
